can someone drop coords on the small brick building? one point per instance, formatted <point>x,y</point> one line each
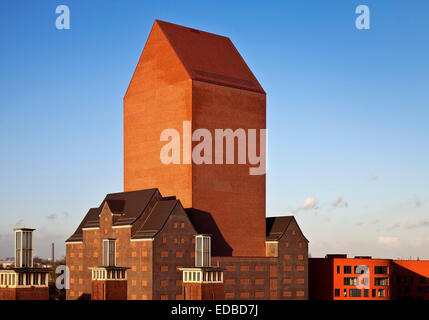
<point>155,238</point>
<point>23,281</point>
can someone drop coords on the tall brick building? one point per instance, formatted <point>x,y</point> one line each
<point>189,75</point>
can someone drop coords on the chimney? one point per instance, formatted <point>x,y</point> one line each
<point>23,248</point>
<point>53,253</point>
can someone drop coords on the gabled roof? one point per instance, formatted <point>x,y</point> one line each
<point>209,57</point>
<point>277,226</point>
<point>128,206</point>
<point>156,218</point>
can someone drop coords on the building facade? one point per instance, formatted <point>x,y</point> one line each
<point>337,277</point>
<point>187,80</point>
<point>155,240</point>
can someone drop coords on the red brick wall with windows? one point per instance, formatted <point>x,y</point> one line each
<point>169,255</point>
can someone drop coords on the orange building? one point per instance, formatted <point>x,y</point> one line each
<point>189,75</point>
<point>337,277</point>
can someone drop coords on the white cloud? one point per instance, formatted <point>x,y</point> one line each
<point>309,203</point>
<point>52,217</point>
<point>388,241</point>
<point>416,223</point>
<point>339,202</point>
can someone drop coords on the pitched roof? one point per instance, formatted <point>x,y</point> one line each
<point>276,227</point>
<point>209,57</point>
<point>156,219</point>
<point>129,206</point>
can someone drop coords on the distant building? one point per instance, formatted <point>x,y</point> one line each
<point>23,281</point>
<point>337,277</point>
<point>6,263</point>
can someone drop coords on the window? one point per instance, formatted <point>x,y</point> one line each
<point>366,293</point>
<point>398,279</point>
<point>355,293</point>
<point>350,281</point>
<point>380,281</point>
<point>361,269</point>
<point>109,252</point>
<point>407,289</point>
<point>338,269</point>
<point>27,279</point>
<point>381,293</point>
<point>374,293</point>
<point>345,293</point>
<point>422,279</point>
<point>380,269</point>
<point>35,279</point>
<point>337,292</point>
<point>347,269</point>
<point>411,279</point>
<point>202,250</point>
<point>423,289</point>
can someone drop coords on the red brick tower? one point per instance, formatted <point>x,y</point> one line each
<point>189,75</point>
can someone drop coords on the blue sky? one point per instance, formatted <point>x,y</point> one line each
<point>347,110</point>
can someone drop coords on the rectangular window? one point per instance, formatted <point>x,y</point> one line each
<point>381,293</point>
<point>350,281</point>
<point>361,269</point>
<point>355,293</point>
<point>347,269</point>
<point>202,250</point>
<point>338,269</point>
<point>109,252</point>
<point>380,269</point>
<point>337,292</point>
<point>366,293</point>
<point>380,281</point>
<point>27,279</point>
